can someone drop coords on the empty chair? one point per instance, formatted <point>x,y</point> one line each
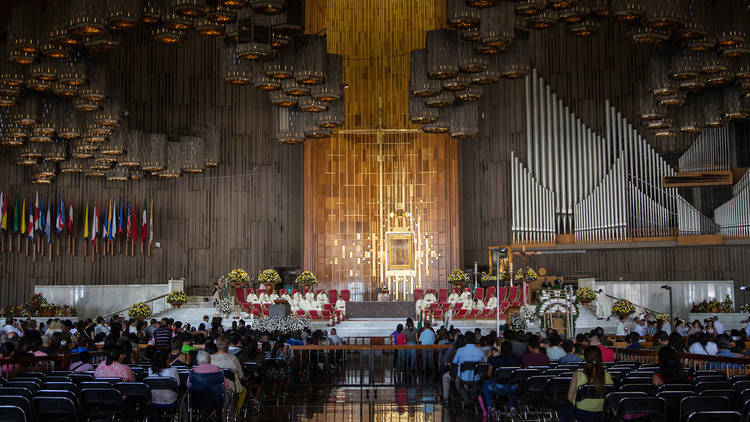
<point>649,389</point>
<point>18,401</point>
<point>712,385</point>
<point>557,392</point>
<point>138,399</point>
<point>736,378</point>
<point>677,387</point>
<point>673,399</point>
<point>728,393</point>
<point>16,391</point>
<point>57,378</point>
<point>13,414</point>
<point>3,382</point>
<point>636,380</point>
<point>534,389</point>
<point>54,409</point>
<point>29,385</point>
<point>612,400</point>
<point>57,393</point>
<point>740,385</point>
<point>710,378</point>
<point>690,405</point>
<point>709,372</point>
<point>38,375</point>
<point>78,377</point>
<point>716,416</point>
<point>59,374</point>
<point>653,407</point>
<point>66,386</point>
<point>100,403</point>
<point>94,384</point>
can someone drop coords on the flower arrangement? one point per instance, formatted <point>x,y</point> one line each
<point>37,306</point>
<point>585,295</point>
<point>176,298</point>
<point>225,306</point>
<point>457,277</point>
<point>488,278</point>
<point>744,308</point>
<point>661,318</point>
<point>238,276</point>
<point>623,307</point>
<point>517,322</point>
<point>140,310</point>
<point>269,276</point>
<point>713,306</point>
<point>531,275</point>
<point>285,324</point>
<point>307,277</point>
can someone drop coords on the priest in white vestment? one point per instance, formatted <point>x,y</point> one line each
<point>429,299</point>
<point>322,298</point>
<point>285,296</point>
<point>341,305</point>
<point>603,310</point>
<point>453,298</point>
<point>491,302</point>
<point>309,295</point>
<point>465,295</point>
<point>252,297</point>
<point>419,305</point>
<point>478,304</point>
<point>263,297</point>
<point>273,296</point>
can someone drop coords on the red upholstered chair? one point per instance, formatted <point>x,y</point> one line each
<point>461,314</point>
<point>479,294</point>
<point>515,296</point>
<point>240,292</point>
<point>266,306</point>
<point>345,295</point>
<point>315,315</point>
<point>265,311</point>
<point>443,295</point>
<point>333,296</point>
<point>256,313</point>
<point>445,306</point>
<point>489,292</point>
<point>246,306</point>
<point>301,313</point>
<point>437,314</point>
<point>473,314</point>
<point>487,313</point>
<point>328,306</point>
<point>502,294</point>
<point>457,306</point>
<point>434,306</point>
<point>282,291</point>
<point>257,306</point>
<point>418,294</point>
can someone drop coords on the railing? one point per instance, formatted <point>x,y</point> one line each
<point>158,304</point>
<point>362,365</point>
<point>636,305</point>
<point>730,366</point>
<point>12,367</point>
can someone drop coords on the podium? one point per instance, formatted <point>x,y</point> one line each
<point>558,310</point>
<point>279,309</point>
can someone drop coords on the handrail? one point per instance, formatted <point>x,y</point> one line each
<point>144,301</point>
<point>635,304</point>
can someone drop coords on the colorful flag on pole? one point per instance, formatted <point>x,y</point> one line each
<point>37,226</point>
<point>105,223</point>
<point>23,217</point>
<point>86,223</point>
<point>30,227</point>
<point>70,219</point>
<point>63,219</point>
<point>144,234</point>
<point>15,218</point>
<point>128,224</point>
<point>48,220</point>
<point>151,223</point>
<point>119,222</point>
<point>4,213</point>
<point>135,221</point>
<point>58,221</point>
<point>42,220</point>
<point>113,225</point>
<point>95,223</point>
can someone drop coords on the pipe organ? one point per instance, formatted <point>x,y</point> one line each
<point>710,151</point>
<point>733,216</point>
<point>598,188</point>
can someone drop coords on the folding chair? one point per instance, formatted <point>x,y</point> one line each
<point>673,399</point>
<point>649,389</point>
<point>206,397</point>
<point>13,414</point>
<point>712,385</point>
<point>19,401</point>
<point>32,386</point>
<point>612,401</point>
<point>51,378</point>
<point>54,409</point>
<point>690,405</point>
<point>101,403</point>
<point>533,394</point>
<point>137,399</point>
<point>716,416</point>
<point>653,407</point>
<point>728,393</point>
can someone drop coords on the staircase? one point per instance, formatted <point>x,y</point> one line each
<point>190,312</point>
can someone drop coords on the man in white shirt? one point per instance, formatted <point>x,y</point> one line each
<point>718,326</point>
<point>465,295</point>
<point>641,328</point>
<point>621,331</point>
<point>10,328</point>
<point>296,297</point>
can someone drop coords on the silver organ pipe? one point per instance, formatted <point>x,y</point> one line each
<point>710,151</point>
<point>691,221</point>
<point>598,188</point>
<point>733,216</point>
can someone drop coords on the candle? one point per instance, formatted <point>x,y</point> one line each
<point>475,266</point>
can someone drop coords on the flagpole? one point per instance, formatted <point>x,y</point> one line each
<point>34,253</point>
<point>19,243</point>
<point>27,246</point>
<point>50,250</point>
<point>58,245</point>
<point>42,246</point>
<point>85,248</point>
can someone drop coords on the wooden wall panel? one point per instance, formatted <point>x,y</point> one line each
<point>245,213</point>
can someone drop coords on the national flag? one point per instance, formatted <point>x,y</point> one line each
<point>151,223</point>
<point>143,223</point>
<point>32,222</point>
<point>48,220</point>
<point>128,223</point>
<point>4,213</point>
<point>95,223</point>
<point>37,226</point>
<point>63,219</point>
<point>119,222</point>
<point>23,217</point>
<point>70,219</point>
<point>59,220</point>
<point>105,223</point>
<point>86,223</point>
<point>135,221</point>
<point>15,218</point>
<point>113,225</point>
<point>42,220</point>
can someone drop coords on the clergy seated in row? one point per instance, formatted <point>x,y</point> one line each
<point>285,296</point>
<point>453,298</point>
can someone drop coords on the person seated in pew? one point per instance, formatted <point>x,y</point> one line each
<point>263,297</point>
<point>322,298</point>
<point>252,297</point>
<point>273,296</point>
<point>453,298</point>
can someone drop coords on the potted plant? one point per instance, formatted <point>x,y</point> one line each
<point>269,278</point>
<point>140,311</point>
<point>623,307</point>
<point>306,279</point>
<point>176,298</point>
<point>238,277</point>
<point>585,295</point>
<point>458,278</point>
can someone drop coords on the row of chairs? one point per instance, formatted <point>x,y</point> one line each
<point>514,294</point>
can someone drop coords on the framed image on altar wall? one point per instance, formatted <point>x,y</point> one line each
<point>400,250</point>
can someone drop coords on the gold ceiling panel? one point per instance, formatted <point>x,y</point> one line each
<point>375,39</point>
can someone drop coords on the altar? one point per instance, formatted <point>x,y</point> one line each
<point>380,310</point>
